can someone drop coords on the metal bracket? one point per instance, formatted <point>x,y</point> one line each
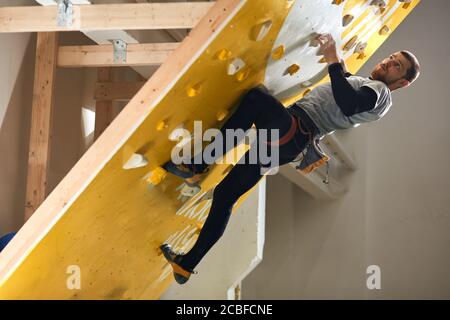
<point>120,51</point>
<point>65,13</point>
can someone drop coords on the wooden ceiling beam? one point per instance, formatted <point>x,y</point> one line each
<point>128,16</point>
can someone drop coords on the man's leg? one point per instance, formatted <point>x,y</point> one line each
<point>238,181</point>
<point>256,107</point>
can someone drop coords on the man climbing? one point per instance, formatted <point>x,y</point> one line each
<point>340,104</point>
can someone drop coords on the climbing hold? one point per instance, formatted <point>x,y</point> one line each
<point>293,69</point>
<point>161,125</point>
<point>135,161</point>
<point>227,169</point>
<point>406,3</point>
<point>361,56</point>
<point>360,47</point>
<point>278,53</point>
<point>223,54</point>
<point>350,44</point>
<point>360,50</point>
<point>261,30</point>
<point>221,115</point>
<point>236,65</point>
<point>190,190</point>
<point>289,3</point>
<point>199,227</point>
<point>338,2</point>
<point>379,3</point>
<point>243,74</point>
<point>306,92</point>
<point>380,11</point>
<point>347,19</point>
<point>384,30</point>
<point>194,90</point>
<point>178,133</point>
<point>156,176</point>
<point>323,60</point>
<point>314,42</point>
<point>306,84</point>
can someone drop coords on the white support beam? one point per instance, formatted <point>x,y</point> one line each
<point>339,152</point>
<point>313,183</point>
<point>129,16</point>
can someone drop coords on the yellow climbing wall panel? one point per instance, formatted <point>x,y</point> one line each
<point>113,228</point>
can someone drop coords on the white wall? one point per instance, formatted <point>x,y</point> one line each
<point>397,213</point>
<point>16,83</point>
<point>16,90</point>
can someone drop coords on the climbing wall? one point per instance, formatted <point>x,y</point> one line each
<point>106,219</point>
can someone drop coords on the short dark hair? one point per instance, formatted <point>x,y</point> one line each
<point>413,72</point>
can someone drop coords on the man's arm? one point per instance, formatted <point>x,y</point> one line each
<point>349,100</point>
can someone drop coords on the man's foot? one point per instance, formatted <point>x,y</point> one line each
<point>185,171</point>
<point>180,274</point>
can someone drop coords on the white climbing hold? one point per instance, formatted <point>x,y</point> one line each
<point>361,47</point>
<point>178,133</point>
<point>236,65</point>
<point>306,84</point>
<point>262,30</point>
<point>136,161</point>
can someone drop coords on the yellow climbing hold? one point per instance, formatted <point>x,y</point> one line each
<point>384,30</point>
<point>406,5</point>
<point>221,115</point>
<point>293,69</point>
<point>278,53</point>
<point>306,92</point>
<point>199,227</point>
<point>289,3</point>
<point>243,74</point>
<point>361,56</point>
<point>157,176</point>
<point>194,90</point>
<point>223,55</point>
<point>161,125</point>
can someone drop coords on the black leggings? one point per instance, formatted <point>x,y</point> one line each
<point>259,108</point>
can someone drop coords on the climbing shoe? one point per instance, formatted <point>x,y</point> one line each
<point>180,274</point>
<point>185,171</point>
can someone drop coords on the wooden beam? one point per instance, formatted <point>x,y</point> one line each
<point>40,134</point>
<point>117,91</point>
<point>103,108</point>
<point>176,34</point>
<point>104,37</point>
<point>55,2</point>
<point>102,55</point>
<point>130,16</point>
